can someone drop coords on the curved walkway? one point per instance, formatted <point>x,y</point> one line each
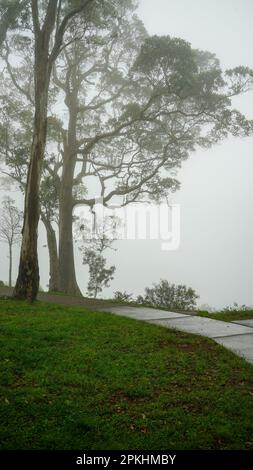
<point>236,336</point>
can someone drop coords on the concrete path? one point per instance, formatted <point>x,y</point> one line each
<point>236,336</point>
<point>244,322</point>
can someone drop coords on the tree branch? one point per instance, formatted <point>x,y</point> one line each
<point>62,28</point>
<point>35,17</point>
<point>13,78</point>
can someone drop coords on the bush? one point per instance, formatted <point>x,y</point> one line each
<point>169,296</point>
<point>2,284</point>
<point>236,308</point>
<point>122,296</point>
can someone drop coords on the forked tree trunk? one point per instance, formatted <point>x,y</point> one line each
<point>54,278</point>
<point>27,284</point>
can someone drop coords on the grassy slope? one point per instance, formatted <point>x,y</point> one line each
<point>233,315</point>
<point>72,300</point>
<point>74,379</point>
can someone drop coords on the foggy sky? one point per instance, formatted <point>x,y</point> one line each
<point>215,255</point>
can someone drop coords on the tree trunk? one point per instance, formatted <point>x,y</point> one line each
<point>27,284</point>
<point>96,292</point>
<point>10,265</point>
<point>68,282</point>
<point>54,277</point>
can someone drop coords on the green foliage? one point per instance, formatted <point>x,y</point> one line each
<point>54,128</point>
<point>229,314</point>
<point>49,196</point>
<point>166,56</point>
<point>169,296</point>
<point>153,101</point>
<point>160,187</point>
<point>123,296</point>
<point>14,14</point>
<point>16,121</point>
<point>99,275</point>
<point>236,308</point>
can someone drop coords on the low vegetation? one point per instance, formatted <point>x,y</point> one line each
<point>170,296</point>
<point>75,379</point>
<point>164,295</point>
<point>229,315</point>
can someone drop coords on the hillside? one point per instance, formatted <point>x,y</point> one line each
<point>72,378</point>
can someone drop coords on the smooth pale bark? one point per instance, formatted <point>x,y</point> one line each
<point>54,278</point>
<point>68,282</point>
<point>27,284</point>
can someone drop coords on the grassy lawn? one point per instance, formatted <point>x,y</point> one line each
<point>229,315</point>
<point>74,379</point>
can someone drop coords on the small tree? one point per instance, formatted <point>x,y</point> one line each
<point>169,296</point>
<point>10,228</point>
<point>99,275</point>
<point>93,244</point>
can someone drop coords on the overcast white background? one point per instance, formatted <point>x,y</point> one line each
<point>215,255</point>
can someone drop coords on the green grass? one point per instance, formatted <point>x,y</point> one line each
<point>74,379</point>
<point>228,315</point>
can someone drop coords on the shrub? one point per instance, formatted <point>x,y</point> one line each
<point>123,296</point>
<point>169,296</point>
<point>236,308</point>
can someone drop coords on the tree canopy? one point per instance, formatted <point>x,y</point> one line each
<point>125,110</point>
